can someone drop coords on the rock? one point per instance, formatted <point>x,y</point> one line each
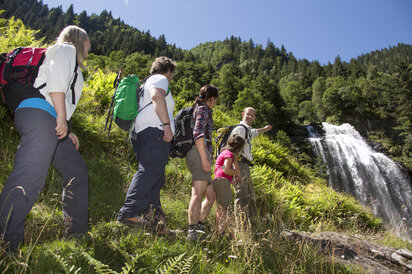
<point>371,257</point>
<point>402,258</point>
<point>405,253</point>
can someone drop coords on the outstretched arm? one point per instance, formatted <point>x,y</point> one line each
<point>264,129</point>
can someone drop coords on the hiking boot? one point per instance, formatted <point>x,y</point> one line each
<point>154,216</point>
<point>136,222</point>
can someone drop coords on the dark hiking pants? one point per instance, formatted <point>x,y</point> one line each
<point>38,148</point>
<point>144,190</point>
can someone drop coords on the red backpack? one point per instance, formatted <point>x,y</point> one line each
<point>20,67</point>
<point>18,71</point>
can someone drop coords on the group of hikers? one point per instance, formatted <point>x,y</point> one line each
<point>42,122</point>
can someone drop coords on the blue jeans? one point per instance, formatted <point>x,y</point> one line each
<point>152,153</point>
<point>38,148</point>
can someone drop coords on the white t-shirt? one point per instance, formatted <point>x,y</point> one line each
<point>247,149</point>
<point>147,117</point>
<point>57,71</point>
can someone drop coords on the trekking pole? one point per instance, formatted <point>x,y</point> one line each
<point>111,108</point>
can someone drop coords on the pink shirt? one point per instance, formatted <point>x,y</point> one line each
<point>219,163</point>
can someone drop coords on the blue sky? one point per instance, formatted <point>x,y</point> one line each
<point>312,29</point>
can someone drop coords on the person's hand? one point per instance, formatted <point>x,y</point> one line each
<point>268,127</point>
<point>61,127</point>
<point>206,166</point>
<point>75,140</point>
<point>168,135</point>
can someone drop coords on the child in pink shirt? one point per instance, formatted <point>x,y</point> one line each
<point>225,168</point>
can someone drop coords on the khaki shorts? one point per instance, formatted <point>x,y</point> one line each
<point>194,164</point>
<point>223,192</point>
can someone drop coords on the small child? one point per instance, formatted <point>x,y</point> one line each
<point>225,168</point>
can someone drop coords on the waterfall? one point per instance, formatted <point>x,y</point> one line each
<point>371,177</point>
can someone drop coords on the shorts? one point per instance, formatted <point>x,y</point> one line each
<point>194,164</point>
<point>223,192</point>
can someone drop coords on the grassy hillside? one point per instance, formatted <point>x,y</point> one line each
<point>289,194</point>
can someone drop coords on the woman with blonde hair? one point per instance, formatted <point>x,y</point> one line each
<point>45,138</point>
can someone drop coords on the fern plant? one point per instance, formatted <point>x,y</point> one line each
<point>65,265</point>
<point>98,266</point>
<point>178,264</point>
<point>131,259</point>
<point>15,34</point>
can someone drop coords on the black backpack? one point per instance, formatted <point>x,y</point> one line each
<point>222,134</point>
<point>183,137</point>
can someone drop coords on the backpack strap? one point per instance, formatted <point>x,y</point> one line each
<point>247,134</point>
<point>145,79</point>
<point>141,91</point>
<point>246,129</point>
<point>145,106</point>
<point>74,83</point>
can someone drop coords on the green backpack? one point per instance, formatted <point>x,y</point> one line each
<point>125,102</point>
